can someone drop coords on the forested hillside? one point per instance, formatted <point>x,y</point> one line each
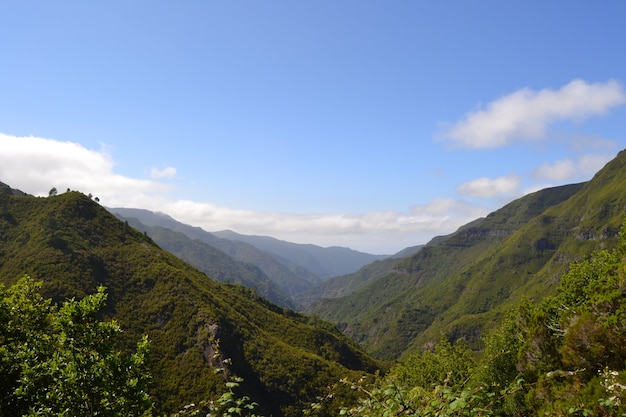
<point>323,262</point>
<point>562,356</point>
<point>213,262</point>
<point>519,313</point>
<point>462,284</point>
<point>289,278</point>
<point>74,245</point>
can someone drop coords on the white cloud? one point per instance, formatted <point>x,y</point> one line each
<point>167,172</point>
<point>431,217</point>
<point>526,114</point>
<point>35,165</point>
<point>588,165</point>
<point>565,170</point>
<point>584,143</point>
<point>487,187</point>
<point>558,171</point>
<point>374,231</point>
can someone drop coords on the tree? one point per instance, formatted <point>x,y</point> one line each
<point>447,362</point>
<point>63,361</point>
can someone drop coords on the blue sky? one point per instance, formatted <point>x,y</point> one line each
<point>370,124</point>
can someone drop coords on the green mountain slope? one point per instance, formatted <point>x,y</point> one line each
<point>5,189</point>
<point>344,285</point>
<point>214,262</point>
<point>290,279</point>
<point>461,284</point>
<point>73,245</point>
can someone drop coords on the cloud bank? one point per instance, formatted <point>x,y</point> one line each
<point>564,170</point>
<point>486,187</point>
<point>35,165</point>
<point>526,114</point>
<point>38,164</point>
<point>167,172</point>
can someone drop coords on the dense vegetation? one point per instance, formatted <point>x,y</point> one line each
<point>530,302</point>
<point>62,361</point>
<point>565,355</point>
<point>73,245</point>
<point>463,284</point>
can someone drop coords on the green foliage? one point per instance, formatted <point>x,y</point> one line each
<point>447,363</point>
<point>230,403</point>
<point>387,398</point>
<point>569,348</point>
<point>437,382</point>
<point>285,359</point>
<point>464,283</point>
<point>63,361</point>
<point>565,355</point>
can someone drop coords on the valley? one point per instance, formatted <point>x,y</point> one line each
<point>296,319</point>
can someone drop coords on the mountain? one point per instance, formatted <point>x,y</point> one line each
<point>214,262</point>
<point>462,283</point>
<point>406,252</point>
<point>5,189</point>
<point>347,284</point>
<point>323,262</point>
<point>289,279</point>
<point>74,245</point>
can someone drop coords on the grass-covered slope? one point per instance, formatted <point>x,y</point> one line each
<point>346,284</point>
<point>289,278</point>
<point>74,245</point>
<point>343,285</point>
<point>461,284</point>
<point>214,262</point>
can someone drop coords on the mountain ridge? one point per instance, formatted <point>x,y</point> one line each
<point>214,262</point>
<point>325,262</point>
<point>462,284</point>
<point>74,245</point>
<point>288,280</point>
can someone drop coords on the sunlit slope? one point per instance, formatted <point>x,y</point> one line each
<point>461,284</point>
<point>214,262</point>
<point>287,277</point>
<point>74,245</point>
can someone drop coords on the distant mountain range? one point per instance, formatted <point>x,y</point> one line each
<point>290,268</point>
<point>212,261</point>
<point>323,262</point>
<point>460,284</point>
